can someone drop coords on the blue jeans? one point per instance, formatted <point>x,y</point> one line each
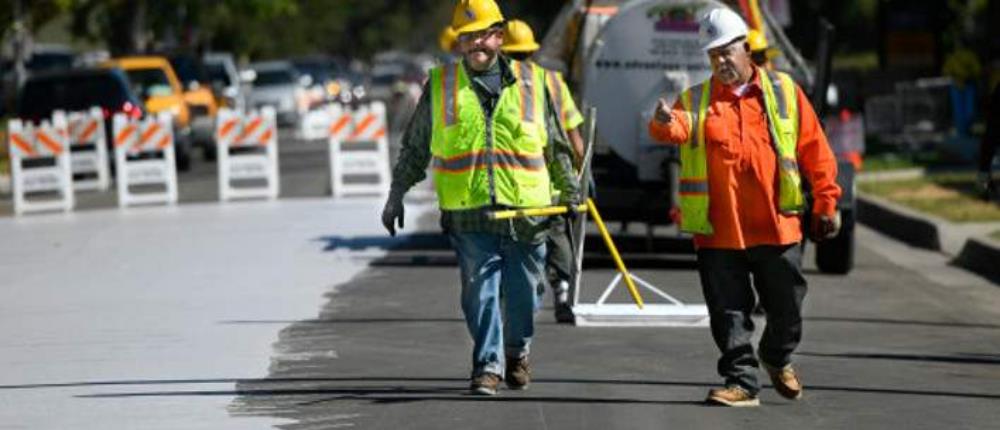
<point>499,277</point>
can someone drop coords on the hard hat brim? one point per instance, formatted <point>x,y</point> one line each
<point>521,47</point>
<point>475,26</point>
<point>723,42</point>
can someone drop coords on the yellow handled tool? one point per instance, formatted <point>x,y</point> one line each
<point>545,211</point>
<point>614,253</point>
<point>592,210</point>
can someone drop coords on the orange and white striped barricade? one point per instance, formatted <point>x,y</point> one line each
<point>40,163</point>
<point>247,148</point>
<point>144,158</point>
<point>359,150</point>
<point>89,150</point>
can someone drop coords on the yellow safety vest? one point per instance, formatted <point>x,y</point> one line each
<point>480,162</point>
<point>783,121</point>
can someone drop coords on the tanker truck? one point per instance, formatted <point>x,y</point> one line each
<point>620,56</point>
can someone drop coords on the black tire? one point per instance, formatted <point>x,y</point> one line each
<point>183,161</point>
<point>208,153</point>
<point>836,256</point>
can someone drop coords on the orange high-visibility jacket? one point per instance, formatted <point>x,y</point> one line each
<point>742,163</point>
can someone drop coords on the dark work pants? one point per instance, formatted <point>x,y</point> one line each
<point>559,259</point>
<point>726,282</point>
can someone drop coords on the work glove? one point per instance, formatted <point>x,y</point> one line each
<point>572,202</point>
<point>392,213</point>
<point>662,112</point>
<point>825,226</point>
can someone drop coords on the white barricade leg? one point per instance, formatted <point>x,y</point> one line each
<point>226,127</point>
<point>271,144</point>
<point>18,145</point>
<point>169,157</point>
<point>341,123</point>
<point>125,137</point>
<point>64,165</point>
<point>101,141</point>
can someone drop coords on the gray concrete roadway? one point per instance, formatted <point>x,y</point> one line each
<point>294,315</point>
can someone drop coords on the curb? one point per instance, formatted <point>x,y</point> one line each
<point>977,255</point>
<point>980,256</point>
<point>900,223</point>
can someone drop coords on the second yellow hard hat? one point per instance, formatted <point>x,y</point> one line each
<point>519,37</point>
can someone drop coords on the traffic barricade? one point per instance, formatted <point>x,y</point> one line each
<point>88,150</point>
<point>41,174</point>
<point>247,148</point>
<point>314,124</point>
<point>359,150</point>
<point>145,160</point>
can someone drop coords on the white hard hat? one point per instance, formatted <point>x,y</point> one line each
<point>719,27</point>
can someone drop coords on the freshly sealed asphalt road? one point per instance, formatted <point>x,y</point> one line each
<point>298,314</point>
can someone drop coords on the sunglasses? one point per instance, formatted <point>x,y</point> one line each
<point>481,34</point>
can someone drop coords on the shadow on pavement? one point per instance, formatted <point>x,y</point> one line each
<point>955,359</point>
<point>456,392</point>
<point>900,322</point>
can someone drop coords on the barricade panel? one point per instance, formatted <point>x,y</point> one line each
<point>89,150</point>
<point>46,147</point>
<point>144,156</point>
<point>247,148</point>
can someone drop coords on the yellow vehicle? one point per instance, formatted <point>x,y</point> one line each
<point>154,80</point>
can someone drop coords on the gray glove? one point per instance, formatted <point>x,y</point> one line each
<point>392,213</point>
<point>825,227</point>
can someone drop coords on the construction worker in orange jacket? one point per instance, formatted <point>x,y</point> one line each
<point>747,138</point>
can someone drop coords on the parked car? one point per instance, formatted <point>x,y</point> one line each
<point>223,77</point>
<point>79,90</point>
<point>156,82</point>
<point>199,98</point>
<point>322,83</point>
<point>278,84</point>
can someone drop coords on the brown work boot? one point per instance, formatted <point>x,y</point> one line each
<point>785,381</point>
<point>518,373</point>
<point>485,384</point>
<point>732,396</point>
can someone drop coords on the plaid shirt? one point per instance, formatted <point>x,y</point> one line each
<point>415,155</point>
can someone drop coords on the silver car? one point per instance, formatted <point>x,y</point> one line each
<point>278,84</point>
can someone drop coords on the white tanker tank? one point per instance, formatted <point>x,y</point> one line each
<point>621,56</point>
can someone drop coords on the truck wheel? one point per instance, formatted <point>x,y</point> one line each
<point>183,161</point>
<point>837,255</point>
<point>208,152</point>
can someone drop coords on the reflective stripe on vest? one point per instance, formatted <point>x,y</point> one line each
<point>783,118</point>
<point>694,166</point>
<point>461,157</point>
<point>783,121</point>
<point>569,116</point>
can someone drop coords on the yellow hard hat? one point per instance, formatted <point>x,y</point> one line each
<point>519,37</point>
<point>475,15</point>
<point>447,38</point>
<point>756,40</point>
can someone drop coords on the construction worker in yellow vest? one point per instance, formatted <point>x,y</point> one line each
<point>747,137</point>
<point>760,51</point>
<point>519,44</point>
<point>489,130</point>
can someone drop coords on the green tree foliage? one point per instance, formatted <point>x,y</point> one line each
<point>265,28</point>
